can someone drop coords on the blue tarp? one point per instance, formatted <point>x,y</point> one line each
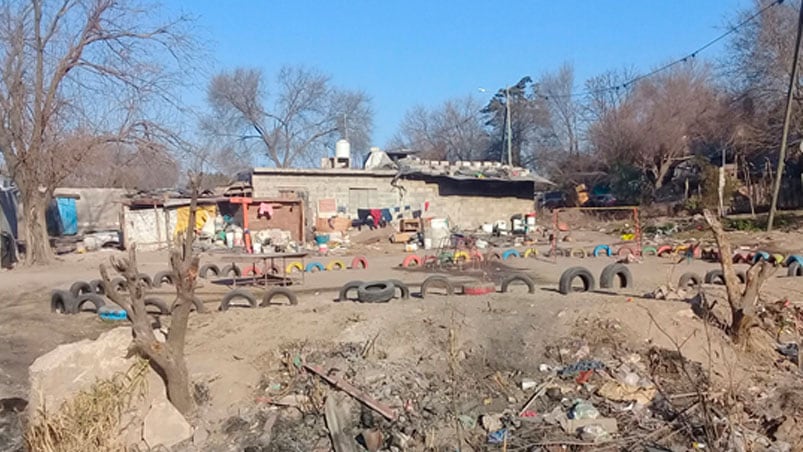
<point>62,217</point>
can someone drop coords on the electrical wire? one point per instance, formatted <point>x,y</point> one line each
<point>684,59</point>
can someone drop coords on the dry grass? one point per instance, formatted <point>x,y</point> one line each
<point>91,420</point>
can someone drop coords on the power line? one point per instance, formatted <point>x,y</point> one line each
<point>684,59</point>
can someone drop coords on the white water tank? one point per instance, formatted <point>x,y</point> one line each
<point>342,149</point>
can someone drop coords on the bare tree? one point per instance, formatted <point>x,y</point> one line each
<point>557,89</point>
<point>743,302</point>
<point>168,358</point>
<point>659,123</point>
<point>121,165</point>
<point>77,71</point>
<point>297,124</point>
<point>452,131</point>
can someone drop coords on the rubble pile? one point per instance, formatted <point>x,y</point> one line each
<point>589,391</point>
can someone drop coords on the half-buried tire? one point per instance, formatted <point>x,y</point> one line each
<point>79,288</point>
<point>163,277</point>
<point>96,285</point>
<point>238,295</point>
<point>436,281</point>
<point>478,288</point>
<point>404,291</point>
<point>348,287</point>
<point>518,278</point>
<point>376,292</point>
<point>267,299</point>
<point>690,279</point>
<point>716,276</point>
<point>613,273</point>
<point>95,300</point>
<point>794,269</point>
<point>207,269</point>
<point>158,303</point>
<point>568,277</point>
<point>62,302</point>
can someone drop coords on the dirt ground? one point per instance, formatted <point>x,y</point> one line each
<point>237,357</point>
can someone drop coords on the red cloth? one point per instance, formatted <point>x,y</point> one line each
<point>376,214</point>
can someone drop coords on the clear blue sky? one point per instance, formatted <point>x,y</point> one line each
<point>404,53</point>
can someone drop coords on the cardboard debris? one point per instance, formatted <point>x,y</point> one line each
<point>613,390</point>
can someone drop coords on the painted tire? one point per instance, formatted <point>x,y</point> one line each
<point>599,249</point>
<point>761,256</point>
<point>508,253</point>
<point>778,259</point>
<point>530,252</point>
<point>359,263</point>
<point>792,259</point>
<point>411,261</point>
<point>461,256</point>
<point>312,267</point>
<point>649,251</point>
<point>665,250</point>
<point>335,266</point>
<point>578,252</point>
<point>252,270</point>
<point>624,251</point>
<point>739,258</point>
<point>478,288</point>
<point>294,266</point>
<point>476,256</point>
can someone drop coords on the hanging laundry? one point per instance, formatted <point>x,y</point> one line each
<point>265,209</point>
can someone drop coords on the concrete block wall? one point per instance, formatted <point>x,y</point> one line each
<point>467,204</point>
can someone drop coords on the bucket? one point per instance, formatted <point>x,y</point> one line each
<point>427,244</point>
<point>238,237</point>
<point>257,248</point>
<point>230,239</point>
<point>321,239</point>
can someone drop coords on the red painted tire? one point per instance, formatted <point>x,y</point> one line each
<point>664,251</point>
<point>359,263</point>
<point>411,259</point>
<point>624,251</point>
<point>739,258</point>
<point>252,270</point>
<point>477,256</point>
<point>478,288</point>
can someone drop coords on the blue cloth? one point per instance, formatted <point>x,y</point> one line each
<point>69,215</point>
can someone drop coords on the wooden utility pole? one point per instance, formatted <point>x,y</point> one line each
<point>787,119</point>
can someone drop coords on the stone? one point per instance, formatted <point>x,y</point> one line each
<point>491,422</point>
<point>164,426</point>
<point>70,368</point>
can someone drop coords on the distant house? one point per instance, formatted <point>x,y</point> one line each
<point>469,194</point>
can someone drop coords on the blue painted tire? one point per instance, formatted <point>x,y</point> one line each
<point>793,258</point>
<point>600,248</point>
<point>313,266</point>
<point>761,255</point>
<point>509,253</point>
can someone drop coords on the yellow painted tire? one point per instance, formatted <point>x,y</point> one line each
<point>578,252</point>
<point>530,252</point>
<point>461,254</point>
<point>778,258</point>
<point>335,265</point>
<point>294,265</point>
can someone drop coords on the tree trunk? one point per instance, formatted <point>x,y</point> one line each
<point>37,240</point>
<point>178,385</point>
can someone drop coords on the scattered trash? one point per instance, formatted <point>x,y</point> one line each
<point>581,366</point>
<point>789,350</point>
<point>583,377</point>
<point>468,422</point>
<point>113,314</point>
<point>613,390</point>
<point>583,410</point>
<point>528,413</point>
<point>354,392</point>
<point>527,384</point>
<point>498,437</point>
<point>594,433</point>
<point>491,422</point>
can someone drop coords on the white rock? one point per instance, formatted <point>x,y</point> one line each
<point>165,426</point>
<point>60,374</point>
